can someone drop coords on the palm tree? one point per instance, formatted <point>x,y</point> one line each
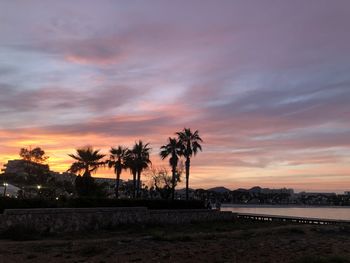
<point>172,149</point>
<point>141,153</point>
<point>117,159</point>
<point>130,162</point>
<point>87,160</point>
<point>190,146</point>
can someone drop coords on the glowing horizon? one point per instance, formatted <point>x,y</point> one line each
<point>266,84</point>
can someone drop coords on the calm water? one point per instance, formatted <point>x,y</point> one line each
<point>312,212</point>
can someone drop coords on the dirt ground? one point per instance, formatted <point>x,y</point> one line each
<point>241,241</point>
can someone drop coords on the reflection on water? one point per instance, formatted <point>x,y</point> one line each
<point>312,212</point>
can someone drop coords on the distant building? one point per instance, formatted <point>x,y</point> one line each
<point>313,194</point>
<point>259,190</point>
<point>61,177</point>
<point>22,167</point>
<point>109,181</point>
<point>289,191</point>
<point>347,192</point>
<point>10,191</point>
<point>181,193</point>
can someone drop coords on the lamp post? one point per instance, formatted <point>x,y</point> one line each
<point>5,188</point>
<point>39,187</point>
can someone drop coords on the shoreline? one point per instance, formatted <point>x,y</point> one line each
<point>280,206</point>
<point>310,212</point>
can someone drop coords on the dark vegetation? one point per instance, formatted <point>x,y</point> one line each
<point>11,203</point>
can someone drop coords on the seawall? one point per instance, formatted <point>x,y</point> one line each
<point>58,220</point>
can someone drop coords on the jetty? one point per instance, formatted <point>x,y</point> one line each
<point>293,219</point>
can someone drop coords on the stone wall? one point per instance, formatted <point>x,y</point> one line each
<point>56,220</point>
<point>187,216</point>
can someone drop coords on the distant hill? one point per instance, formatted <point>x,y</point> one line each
<point>219,189</point>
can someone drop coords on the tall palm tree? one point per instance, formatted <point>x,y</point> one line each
<point>87,160</point>
<point>117,160</point>
<point>190,145</point>
<point>130,162</point>
<point>141,154</point>
<point>172,149</point>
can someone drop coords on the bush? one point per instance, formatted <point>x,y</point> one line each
<point>151,204</point>
<point>11,203</point>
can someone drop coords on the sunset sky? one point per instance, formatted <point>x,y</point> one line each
<point>266,83</point>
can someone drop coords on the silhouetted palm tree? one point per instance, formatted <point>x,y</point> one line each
<point>172,149</point>
<point>141,153</point>
<point>87,160</point>
<point>130,162</point>
<point>190,146</point>
<point>117,160</point>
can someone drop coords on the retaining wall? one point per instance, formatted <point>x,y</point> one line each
<point>81,219</point>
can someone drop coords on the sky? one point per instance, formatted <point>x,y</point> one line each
<point>266,83</point>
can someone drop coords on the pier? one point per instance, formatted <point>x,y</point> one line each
<point>292,219</point>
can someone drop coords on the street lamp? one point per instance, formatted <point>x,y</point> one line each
<point>5,188</point>
<point>39,187</point>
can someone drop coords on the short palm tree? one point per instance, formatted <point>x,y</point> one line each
<point>190,142</point>
<point>117,160</point>
<point>141,154</point>
<point>172,149</point>
<point>87,160</point>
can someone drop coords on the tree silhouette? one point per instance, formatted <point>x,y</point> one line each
<point>34,166</point>
<point>161,182</point>
<point>88,160</point>
<point>130,162</point>
<point>173,149</point>
<point>140,153</point>
<point>118,160</point>
<point>36,155</point>
<point>190,146</point>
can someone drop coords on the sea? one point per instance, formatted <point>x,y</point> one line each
<point>329,212</point>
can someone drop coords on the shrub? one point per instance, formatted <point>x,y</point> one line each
<point>11,203</point>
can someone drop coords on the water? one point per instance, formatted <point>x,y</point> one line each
<point>310,212</point>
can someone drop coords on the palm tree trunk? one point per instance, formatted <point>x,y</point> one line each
<point>173,183</point>
<point>138,183</point>
<point>117,186</point>
<point>134,184</point>
<point>86,172</point>
<point>187,164</point>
